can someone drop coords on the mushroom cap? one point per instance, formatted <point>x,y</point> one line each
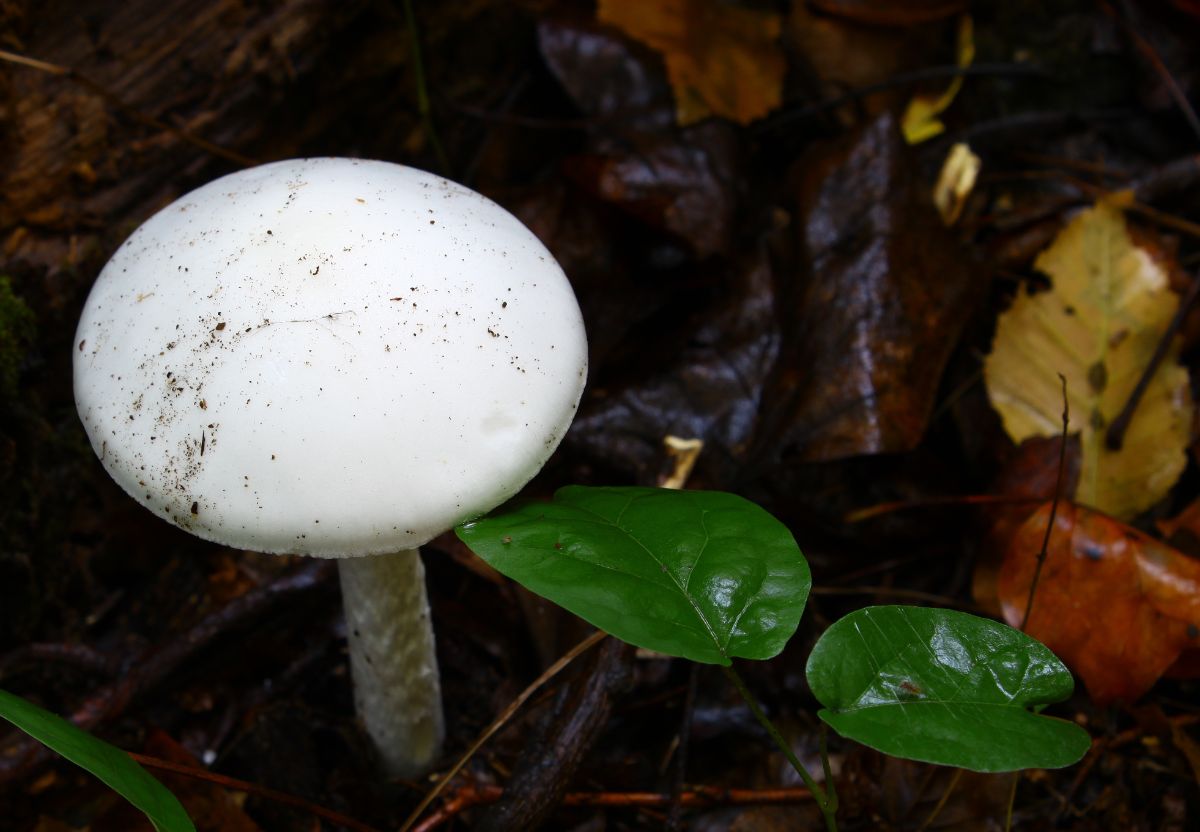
<point>330,357</point>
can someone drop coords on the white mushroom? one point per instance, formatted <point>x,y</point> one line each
<point>338,358</point>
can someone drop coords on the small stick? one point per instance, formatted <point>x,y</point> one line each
<point>1164,74</point>
<point>150,669</point>
<point>1062,464</point>
<point>899,81</point>
<point>1012,800</point>
<point>674,816</point>
<point>253,788</point>
<point>424,108</point>
<point>697,796</point>
<point>499,722</point>
<point>858,515</point>
<point>941,804</point>
<point>1114,437</point>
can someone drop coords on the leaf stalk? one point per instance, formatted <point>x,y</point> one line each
<point>826,797</point>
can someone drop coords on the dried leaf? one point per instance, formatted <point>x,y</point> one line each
<point>608,76</point>
<point>685,183</point>
<point>1116,605</point>
<point>921,121</point>
<point>722,60</point>
<point>1098,327</point>
<point>703,378</point>
<point>1183,525</point>
<point>1030,472</point>
<point>890,12</point>
<point>955,182</point>
<point>869,331</point>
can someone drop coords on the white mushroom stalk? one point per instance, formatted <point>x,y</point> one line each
<point>337,358</point>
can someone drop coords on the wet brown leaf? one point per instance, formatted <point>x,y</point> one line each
<point>1116,605</point>
<point>722,59</point>
<point>883,297</point>
<point>706,382</point>
<point>684,184</point>
<point>1031,471</point>
<point>1184,524</point>
<point>608,76</point>
<point>591,243</point>
<point>840,54</point>
<point>890,12</point>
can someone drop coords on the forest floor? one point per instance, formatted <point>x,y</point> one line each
<point>850,245</point>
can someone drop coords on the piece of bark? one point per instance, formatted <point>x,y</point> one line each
<point>550,758</point>
<point>78,155</point>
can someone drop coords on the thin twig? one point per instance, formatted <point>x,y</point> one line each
<point>1114,437</point>
<point>890,591</point>
<point>1040,120</point>
<point>1151,54</point>
<point>128,109</point>
<point>500,721</point>
<point>152,668</point>
<point>674,816</point>
<point>941,804</point>
<point>861,514</point>
<point>1058,481</point>
<point>1012,800</point>
<point>904,79</point>
<point>1102,744</point>
<point>1097,192</point>
<point>76,655</point>
<point>695,797</point>
<point>255,789</point>
<point>424,109</point>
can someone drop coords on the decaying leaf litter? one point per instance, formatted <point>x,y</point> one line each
<point>760,267</point>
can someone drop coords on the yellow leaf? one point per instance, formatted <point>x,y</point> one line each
<point>921,120</point>
<point>955,182</point>
<point>721,60</point>
<point>1098,325</point>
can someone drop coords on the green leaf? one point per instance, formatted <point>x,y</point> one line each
<point>699,574</point>
<point>112,765</point>
<point>944,687</point>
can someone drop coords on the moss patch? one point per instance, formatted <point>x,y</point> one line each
<point>16,334</point>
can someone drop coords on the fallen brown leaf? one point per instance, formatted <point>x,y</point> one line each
<point>1116,605</point>
<point>722,60</point>
<point>869,332</point>
<point>890,12</point>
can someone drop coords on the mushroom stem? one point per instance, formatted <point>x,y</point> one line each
<point>392,659</point>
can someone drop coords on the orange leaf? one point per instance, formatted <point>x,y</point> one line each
<point>1116,605</point>
<point>722,60</point>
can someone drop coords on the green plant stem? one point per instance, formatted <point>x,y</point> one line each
<point>1012,799</point>
<point>830,788</point>
<point>826,801</point>
<point>423,106</point>
<point>941,804</point>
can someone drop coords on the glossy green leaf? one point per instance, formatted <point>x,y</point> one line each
<point>112,765</point>
<point>944,687</point>
<point>699,574</point>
